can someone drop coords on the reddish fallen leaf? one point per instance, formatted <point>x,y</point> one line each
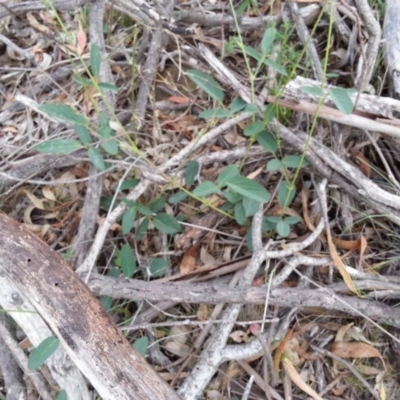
<point>362,162</point>
<point>255,328</point>
<point>178,100</point>
<point>188,263</point>
<point>257,281</point>
<point>81,41</point>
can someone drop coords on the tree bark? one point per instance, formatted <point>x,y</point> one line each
<point>77,318</point>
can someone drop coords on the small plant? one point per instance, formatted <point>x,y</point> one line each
<point>83,128</point>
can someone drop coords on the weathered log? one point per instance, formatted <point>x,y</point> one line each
<point>77,318</point>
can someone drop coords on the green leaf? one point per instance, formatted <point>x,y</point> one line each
<point>294,161</point>
<point>62,395</point>
<point>215,113</point>
<point>270,112</point>
<point>276,67</point>
<point>269,224</point>
<point>108,86</point>
<point>268,141</point>
<point>240,215</point>
<point>206,83</point>
<point>237,105</point>
<point>96,158</point>
<point>42,352</point>
<point>205,189</point>
<point>332,75</point>
<point>157,205</point>
<point>166,224</point>
<point>128,260</point>
<point>250,206</point>
<point>63,113</point>
<point>274,165</point>
<point>230,44</point>
<point>268,40</point>
<point>232,197</point>
<point>253,128</point>
<point>177,197</point>
<point>128,184</point>
<point>250,189</point>
<point>83,134</point>
<point>283,228</point>
<point>109,144</point>
<point>251,108</point>
<point>312,90</point>
<point>226,174</point>
<point>142,229</point>
<point>227,206</point>
<point>191,172</point>
<point>58,146</point>
<point>144,210</point>
<point>106,302</point>
<point>292,220</point>
<point>80,80</point>
<point>342,100</point>
<point>95,59</point>
<point>141,345</point>
<point>286,193</point>
<point>252,52</point>
<point>128,219</point>
<point>113,272</point>
<point>157,267</point>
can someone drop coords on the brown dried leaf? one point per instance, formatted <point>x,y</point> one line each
<point>338,262</point>
<point>188,263</point>
<point>356,350</point>
<point>298,381</point>
<point>347,244</point>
